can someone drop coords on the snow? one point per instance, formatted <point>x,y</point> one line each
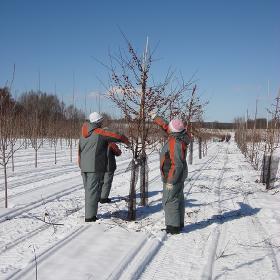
<point>231,224</point>
<point>99,255</point>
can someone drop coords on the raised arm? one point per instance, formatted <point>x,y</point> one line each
<point>112,136</point>
<point>161,122</point>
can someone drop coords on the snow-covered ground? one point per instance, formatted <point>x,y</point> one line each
<point>231,224</point>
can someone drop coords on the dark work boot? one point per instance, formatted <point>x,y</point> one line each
<point>93,219</point>
<point>182,226</point>
<point>172,230</point>
<point>105,200</point>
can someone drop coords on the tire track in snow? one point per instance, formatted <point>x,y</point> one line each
<point>44,227</point>
<point>224,230</point>
<point>42,175</point>
<point>265,236</point>
<point>216,233</point>
<point>49,199</point>
<point>35,204</point>
<point>119,171</point>
<point>35,178</point>
<point>24,192</point>
<point>163,262</point>
<point>194,178</point>
<point>260,229</point>
<point>18,274</point>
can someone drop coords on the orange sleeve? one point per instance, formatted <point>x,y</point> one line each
<point>114,137</point>
<point>162,123</point>
<point>85,130</point>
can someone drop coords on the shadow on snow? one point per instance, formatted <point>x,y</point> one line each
<point>245,210</point>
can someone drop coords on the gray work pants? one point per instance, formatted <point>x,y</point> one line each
<point>174,205</point>
<point>92,183</point>
<point>107,184</point>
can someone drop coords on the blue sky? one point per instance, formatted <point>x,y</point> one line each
<point>232,46</point>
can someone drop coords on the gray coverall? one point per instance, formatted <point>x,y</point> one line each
<point>174,171</point>
<point>92,156</point>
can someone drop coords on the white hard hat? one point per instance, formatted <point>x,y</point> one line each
<point>95,117</point>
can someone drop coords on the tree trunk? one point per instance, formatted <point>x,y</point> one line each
<point>5,176</point>
<point>268,172</point>
<point>36,158</point>
<point>254,134</point>
<point>6,185</point>
<point>191,153</point>
<point>199,147</point>
<point>263,169</point>
<point>71,150</point>
<point>132,193</point>
<point>13,162</point>
<point>55,153</point>
<point>143,181</point>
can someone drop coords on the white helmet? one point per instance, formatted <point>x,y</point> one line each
<point>95,117</point>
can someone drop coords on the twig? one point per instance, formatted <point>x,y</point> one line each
<point>35,260</point>
<point>48,214</point>
<point>222,253</point>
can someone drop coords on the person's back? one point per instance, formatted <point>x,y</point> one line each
<point>93,147</point>
<point>171,164</point>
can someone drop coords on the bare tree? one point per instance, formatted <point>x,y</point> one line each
<point>193,112</point>
<point>130,88</point>
<point>8,133</point>
<point>33,114</point>
<point>136,94</point>
<point>53,135</point>
<point>271,140</point>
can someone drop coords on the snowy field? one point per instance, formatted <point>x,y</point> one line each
<point>231,224</point>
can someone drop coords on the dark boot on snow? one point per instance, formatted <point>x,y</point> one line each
<point>93,219</point>
<point>105,200</point>
<point>172,230</point>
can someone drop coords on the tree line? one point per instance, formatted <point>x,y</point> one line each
<point>31,119</point>
<point>39,110</point>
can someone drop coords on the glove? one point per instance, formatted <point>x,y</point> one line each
<point>128,145</point>
<point>152,114</point>
<point>168,186</point>
<point>125,140</point>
